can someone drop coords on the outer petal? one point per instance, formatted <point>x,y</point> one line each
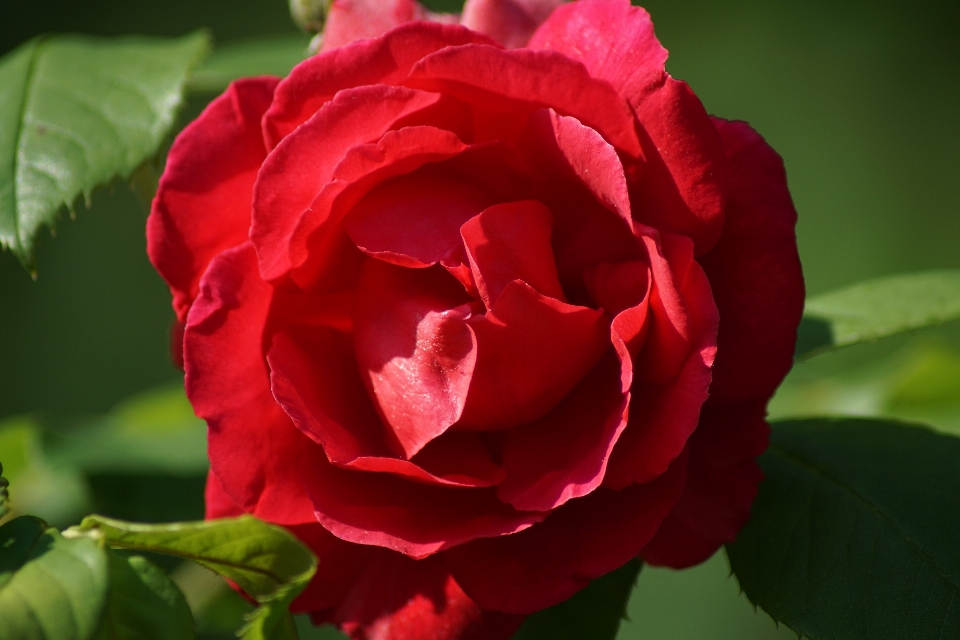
<point>386,60</point>
<point>681,185</point>
<point>203,201</point>
<point>255,451</point>
<point>395,598</point>
<point>510,22</point>
<point>522,81</point>
<point>350,20</point>
<point>582,540</point>
<point>722,480</point>
<point>755,272</point>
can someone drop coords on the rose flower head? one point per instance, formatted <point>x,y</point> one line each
<point>480,308</point>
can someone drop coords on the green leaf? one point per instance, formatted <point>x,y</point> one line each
<point>878,308</point>
<point>153,432</point>
<point>595,612</point>
<point>51,588</point>
<point>143,603</point>
<point>270,56</point>
<point>854,533</point>
<point>266,561</point>
<point>77,112</point>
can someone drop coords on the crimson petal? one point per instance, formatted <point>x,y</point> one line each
<point>532,350</point>
<point>203,200</point>
<point>508,242</point>
<point>510,22</point>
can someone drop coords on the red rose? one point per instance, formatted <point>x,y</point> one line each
<point>480,324</point>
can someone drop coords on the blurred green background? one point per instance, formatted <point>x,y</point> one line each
<point>862,99</point>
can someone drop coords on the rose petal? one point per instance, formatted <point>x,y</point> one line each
<point>203,200</point>
<point>255,451</point>
<point>298,168</point>
<point>415,350</point>
<point>755,272</point>
<point>319,241</point>
<point>314,376</point>
<point>510,22</point>
<point>681,184</point>
<point>521,81</point>
<point>670,409</point>
<point>722,481</point>
<point>582,540</point>
<point>414,221</point>
<point>508,242</point>
<point>564,454</point>
<point>415,519</point>
<point>350,20</point>
<point>532,350</point>
<point>385,60</point>
<point>395,598</point>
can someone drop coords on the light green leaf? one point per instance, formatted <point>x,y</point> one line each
<point>153,432</point>
<point>266,561</point>
<point>595,612</point>
<point>143,603</point>
<point>51,588</point>
<point>854,532</point>
<point>878,308</point>
<point>264,56</point>
<point>77,112</point>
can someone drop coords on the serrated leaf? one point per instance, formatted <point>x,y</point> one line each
<point>266,561</point>
<point>263,56</point>
<point>152,432</point>
<point>877,309</point>
<point>51,588</point>
<point>854,532</point>
<point>144,604</point>
<point>77,112</point>
<point>595,612</point>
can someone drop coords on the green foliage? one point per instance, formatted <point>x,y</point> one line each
<point>854,532</point>
<point>77,112</point>
<point>51,588</point>
<point>595,612</point>
<point>266,561</point>
<point>269,55</point>
<point>4,494</point>
<point>143,603</point>
<point>152,432</point>
<point>878,308</point>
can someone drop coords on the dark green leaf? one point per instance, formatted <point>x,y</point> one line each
<point>854,533</point>
<point>144,604</point>
<point>51,588</point>
<point>271,56</point>
<point>77,112</point>
<point>4,494</point>
<point>153,432</point>
<point>595,612</point>
<point>266,561</point>
<point>878,308</point>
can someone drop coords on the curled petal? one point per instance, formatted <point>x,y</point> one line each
<point>531,352</point>
<point>415,350</point>
<point>522,81</point>
<point>508,242</point>
<point>350,20</point>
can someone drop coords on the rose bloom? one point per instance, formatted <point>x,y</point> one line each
<point>479,311</point>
